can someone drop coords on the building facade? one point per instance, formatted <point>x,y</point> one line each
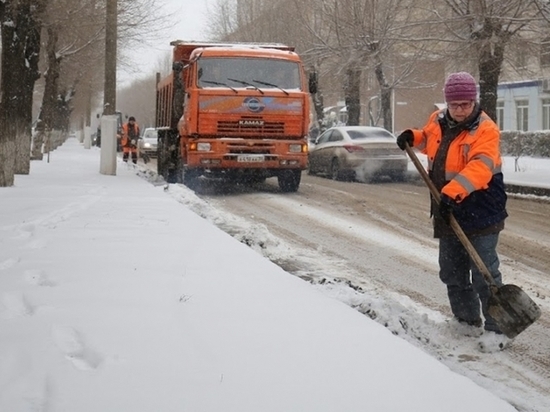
<point>524,105</point>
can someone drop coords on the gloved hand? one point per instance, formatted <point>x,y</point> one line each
<point>133,142</point>
<point>405,137</point>
<point>446,206</point>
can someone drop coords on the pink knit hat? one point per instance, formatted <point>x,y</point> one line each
<point>460,86</point>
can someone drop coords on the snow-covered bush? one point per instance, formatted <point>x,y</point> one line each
<point>517,143</point>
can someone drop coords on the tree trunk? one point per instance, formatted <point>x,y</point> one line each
<point>32,74</point>
<point>385,97</point>
<point>7,153</point>
<point>20,28</point>
<point>62,109</point>
<point>8,95</point>
<point>49,100</point>
<point>38,141</point>
<point>490,64</point>
<point>353,96</point>
<point>29,27</point>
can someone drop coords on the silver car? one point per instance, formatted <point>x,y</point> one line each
<point>148,143</point>
<point>357,152</point>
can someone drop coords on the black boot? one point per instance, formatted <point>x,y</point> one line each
<point>475,323</point>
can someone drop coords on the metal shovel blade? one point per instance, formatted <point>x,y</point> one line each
<point>512,309</point>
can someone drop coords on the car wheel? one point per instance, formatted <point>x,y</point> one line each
<point>335,172</point>
<point>399,176</point>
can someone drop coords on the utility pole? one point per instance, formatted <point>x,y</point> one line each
<point>108,120</point>
<point>109,90</point>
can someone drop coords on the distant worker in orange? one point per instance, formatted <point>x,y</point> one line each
<point>129,140</point>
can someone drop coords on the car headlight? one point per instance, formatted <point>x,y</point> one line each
<point>203,147</point>
<point>147,145</point>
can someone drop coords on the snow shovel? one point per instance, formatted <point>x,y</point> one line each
<point>511,308</point>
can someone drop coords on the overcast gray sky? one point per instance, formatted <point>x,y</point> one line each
<point>190,17</point>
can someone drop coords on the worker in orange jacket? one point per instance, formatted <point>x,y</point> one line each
<point>462,145</point>
<point>129,139</point>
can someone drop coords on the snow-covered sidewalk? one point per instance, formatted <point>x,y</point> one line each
<point>115,297</point>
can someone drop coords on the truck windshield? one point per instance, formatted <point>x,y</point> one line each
<point>248,72</point>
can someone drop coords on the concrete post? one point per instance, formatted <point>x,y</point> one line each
<point>108,145</point>
<point>87,138</point>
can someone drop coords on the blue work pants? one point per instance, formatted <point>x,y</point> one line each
<point>466,286</point>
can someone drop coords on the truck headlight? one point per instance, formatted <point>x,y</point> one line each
<point>295,148</point>
<point>203,147</point>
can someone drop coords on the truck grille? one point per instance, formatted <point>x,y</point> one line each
<point>265,128</point>
<point>256,148</point>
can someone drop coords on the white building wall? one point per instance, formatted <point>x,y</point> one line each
<point>532,91</point>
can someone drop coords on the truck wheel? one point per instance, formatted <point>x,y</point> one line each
<point>162,168</point>
<point>189,178</point>
<point>289,180</point>
<point>172,176</point>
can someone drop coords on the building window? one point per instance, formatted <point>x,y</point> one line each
<point>500,114</point>
<point>522,115</point>
<point>545,52</point>
<point>521,58</point>
<point>545,114</point>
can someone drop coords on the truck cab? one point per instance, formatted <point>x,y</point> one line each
<point>243,111</point>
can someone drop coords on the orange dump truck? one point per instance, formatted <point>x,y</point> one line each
<point>236,111</point>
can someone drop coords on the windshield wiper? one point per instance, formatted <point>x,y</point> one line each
<point>246,84</point>
<point>272,85</point>
<point>219,84</point>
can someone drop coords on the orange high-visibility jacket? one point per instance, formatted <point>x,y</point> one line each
<point>473,169</point>
<point>473,157</point>
<point>128,135</point>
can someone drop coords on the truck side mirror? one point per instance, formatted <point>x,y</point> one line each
<point>313,82</point>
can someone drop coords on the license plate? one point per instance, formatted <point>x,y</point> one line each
<point>250,158</point>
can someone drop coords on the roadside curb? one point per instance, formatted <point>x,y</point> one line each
<point>527,190</point>
<point>542,193</point>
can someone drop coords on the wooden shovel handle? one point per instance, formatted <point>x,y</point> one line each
<point>454,224</point>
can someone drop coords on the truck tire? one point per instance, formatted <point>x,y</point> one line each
<point>189,178</point>
<point>159,162</point>
<point>162,156</point>
<point>171,176</point>
<point>289,180</point>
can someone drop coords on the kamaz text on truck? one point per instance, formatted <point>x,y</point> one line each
<point>236,111</point>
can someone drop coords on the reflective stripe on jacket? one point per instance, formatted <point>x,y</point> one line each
<point>473,169</point>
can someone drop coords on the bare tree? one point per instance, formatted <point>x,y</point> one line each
<point>224,19</point>
<point>21,23</point>
<point>76,52</point>
<point>73,30</point>
<point>480,32</point>
<point>365,36</point>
